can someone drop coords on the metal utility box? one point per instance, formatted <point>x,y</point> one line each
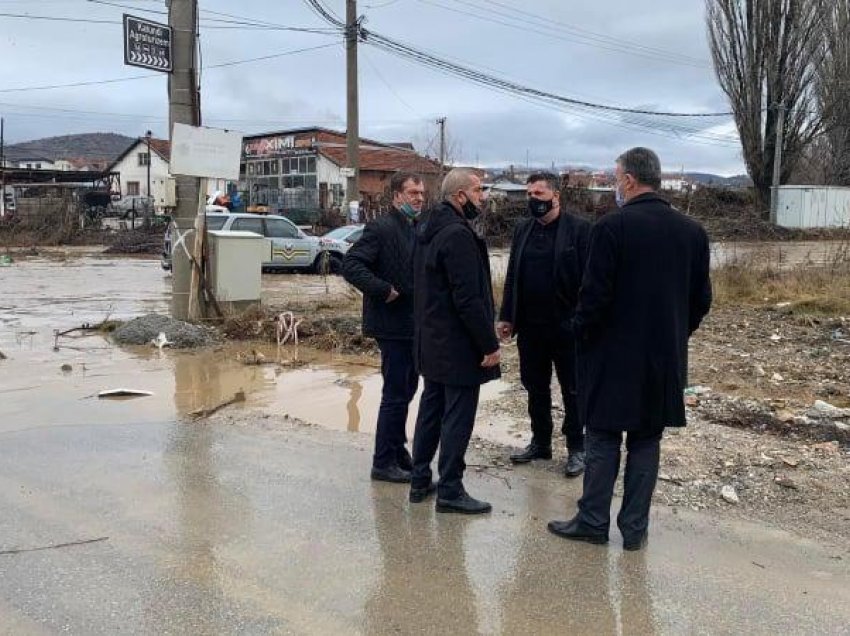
<point>236,267</point>
<point>813,207</point>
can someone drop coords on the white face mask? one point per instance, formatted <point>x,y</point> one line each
<point>619,198</point>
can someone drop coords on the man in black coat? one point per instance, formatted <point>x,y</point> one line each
<point>645,291</point>
<point>455,342</point>
<point>548,252</point>
<point>380,265</point>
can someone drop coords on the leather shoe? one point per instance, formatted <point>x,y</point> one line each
<point>393,474</point>
<point>404,460</point>
<point>636,543</point>
<point>464,504</point>
<point>576,531</point>
<point>418,495</point>
<point>531,452</point>
<point>575,464</point>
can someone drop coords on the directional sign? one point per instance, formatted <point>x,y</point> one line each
<point>147,44</point>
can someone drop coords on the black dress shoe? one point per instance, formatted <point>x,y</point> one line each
<point>404,460</point>
<point>576,531</point>
<point>531,452</point>
<point>418,495</point>
<point>575,464</point>
<point>393,474</point>
<point>635,544</point>
<point>464,505</point>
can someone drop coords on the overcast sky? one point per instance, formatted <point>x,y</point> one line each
<point>654,58</point>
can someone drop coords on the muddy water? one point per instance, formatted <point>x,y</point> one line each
<point>40,386</point>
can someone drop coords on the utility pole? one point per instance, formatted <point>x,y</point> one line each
<point>777,163</point>
<point>2,167</point>
<point>184,108</point>
<point>441,122</point>
<point>149,200</point>
<point>352,28</point>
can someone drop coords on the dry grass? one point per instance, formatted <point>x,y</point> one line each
<point>821,288</point>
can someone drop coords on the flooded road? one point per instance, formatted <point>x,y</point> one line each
<point>125,517</point>
<point>59,292</point>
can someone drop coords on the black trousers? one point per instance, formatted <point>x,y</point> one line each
<point>446,417</point>
<point>541,347</point>
<point>602,465</point>
<point>400,382</point>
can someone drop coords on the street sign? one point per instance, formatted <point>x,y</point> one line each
<point>346,173</point>
<point>147,44</point>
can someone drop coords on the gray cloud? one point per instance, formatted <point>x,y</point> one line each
<point>399,100</point>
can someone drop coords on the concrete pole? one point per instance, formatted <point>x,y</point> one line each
<point>777,164</point>
<point>441,122</point>
<point>184,108</point>
<point>352,189</point>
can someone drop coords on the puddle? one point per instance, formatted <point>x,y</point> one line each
<point>62,290</point>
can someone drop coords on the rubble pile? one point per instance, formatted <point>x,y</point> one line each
<point>178,334</point>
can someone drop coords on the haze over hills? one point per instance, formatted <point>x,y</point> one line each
<point>102,146</point>
<point>107,146</point>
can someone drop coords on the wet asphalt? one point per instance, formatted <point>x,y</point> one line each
<point>216,528</point>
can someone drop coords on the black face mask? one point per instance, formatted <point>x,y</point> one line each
<point>470,212</point>
<point>538,207</point>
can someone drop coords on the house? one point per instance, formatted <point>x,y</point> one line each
<point>301,172</point>
<point>676,183</point>
<point>33,163</point>
<point>133,166</point>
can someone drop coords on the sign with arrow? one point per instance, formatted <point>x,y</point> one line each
<point>147,44</point>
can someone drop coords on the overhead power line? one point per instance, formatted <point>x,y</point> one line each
<point>116,80</point>
<point>381,41</point>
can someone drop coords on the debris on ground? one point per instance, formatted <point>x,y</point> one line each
<point>136,242</point>
<point>729,495</point>
<point>3,356</point>
<point>123,394</point>
<point>182,335</point>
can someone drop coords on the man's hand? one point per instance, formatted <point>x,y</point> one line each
<point>504,331</point>
<point>492,359</point>
<point>392,296</point>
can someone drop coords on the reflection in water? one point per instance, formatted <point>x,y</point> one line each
<point>579,585</point>
<point>424,587</point>
<point>356,392</point>
<point>205,379</point>
<point>636,617</point>
<point>206,513</point>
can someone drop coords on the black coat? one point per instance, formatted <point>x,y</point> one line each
<point>570,257</point>
<point>381,260</point>
<point>645,291</point>
<point>453,302</point>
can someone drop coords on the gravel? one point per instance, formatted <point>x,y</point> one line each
<point>181,335</point>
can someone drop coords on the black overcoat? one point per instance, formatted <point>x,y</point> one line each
<point>454,312</point>
<point>645,290</point>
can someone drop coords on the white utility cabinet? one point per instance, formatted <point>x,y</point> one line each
<point>236,265</point>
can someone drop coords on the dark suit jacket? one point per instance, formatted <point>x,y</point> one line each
<point>570,257</point>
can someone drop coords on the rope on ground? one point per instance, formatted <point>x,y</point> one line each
<point>286,328</point>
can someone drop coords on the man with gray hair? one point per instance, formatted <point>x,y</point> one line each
<point>455,344</point>
<point>646,289</point>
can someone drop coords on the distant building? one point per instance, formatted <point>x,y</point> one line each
<point>676,183</point>
<point>301,172</point>
<point>33,163</point>
<point>132,165</point>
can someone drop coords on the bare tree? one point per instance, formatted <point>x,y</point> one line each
<point>764,53</point>
<point>833,90</point>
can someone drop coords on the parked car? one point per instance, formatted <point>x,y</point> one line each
<point>346,236</point>
<point>132,206</point>
<point>292,249</point>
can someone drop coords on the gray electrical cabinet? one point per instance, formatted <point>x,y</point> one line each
<point>236,267</point>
